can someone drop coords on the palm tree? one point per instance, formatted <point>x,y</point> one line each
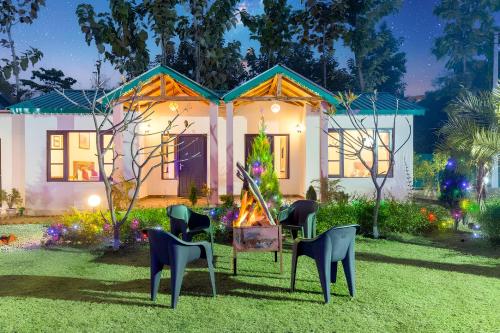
<point>472,131</point>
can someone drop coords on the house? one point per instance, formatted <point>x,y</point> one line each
<point>48,146</point>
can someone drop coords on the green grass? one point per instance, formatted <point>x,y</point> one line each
<point>401,287</point>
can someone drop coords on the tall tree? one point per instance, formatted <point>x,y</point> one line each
<point>46,80</point>
<point>274,29</point>
<point>385,64</point>
<point>362,17</point>
<point>11,14</point>
<point>161,16</point>
<point>203,52</point>
<point>323,23</point>
<point>119,34</point>
<point>467,35</point>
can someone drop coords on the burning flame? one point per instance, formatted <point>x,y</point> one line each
<point>251,213</point>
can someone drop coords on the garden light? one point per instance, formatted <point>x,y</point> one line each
<point>94,200</point>
<point>275,108</point>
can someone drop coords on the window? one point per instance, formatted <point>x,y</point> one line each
<point>72,156</point>
<point>340,164</point>
<point>280,148</point>
<point>168,157</point>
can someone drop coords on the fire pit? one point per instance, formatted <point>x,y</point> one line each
<point>255,229</point>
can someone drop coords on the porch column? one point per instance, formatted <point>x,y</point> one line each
<point>229,148</point>
<point>118,141</point>
<point>214,154</point>
<point>494,172</point>
<point>323,141</point>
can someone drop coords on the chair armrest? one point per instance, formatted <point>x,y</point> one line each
<point>284,214</point>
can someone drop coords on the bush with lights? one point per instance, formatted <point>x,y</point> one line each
<point>262,171</point>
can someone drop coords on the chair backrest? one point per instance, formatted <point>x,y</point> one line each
<point>160,244</point>
<point>179,212</point>
<point>302,208</point>
<point>340,239</point>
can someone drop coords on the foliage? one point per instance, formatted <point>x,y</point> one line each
<point>427,171</point>
<point>331,190</point>
<point>91,228</point>
<point>48,80</point>
<point>193,194</point>
<point>453,186</point>
<point>13,13</point>
<point>12,199</point>
<point>274,29</point>
<point>120,193</point>
<point>394,216</point>
<point>471,132</point>
<point>362,18</point>
<point>311,193</point>
<point>489,220</point>
<point>206,191</point>
<point>119,34</point>
<point>260,161</point>
<point>466,39</point>
<point>227,200</point>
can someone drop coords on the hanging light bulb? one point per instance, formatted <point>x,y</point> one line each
<point>275,108</point>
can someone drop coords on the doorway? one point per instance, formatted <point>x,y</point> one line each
<point>192,157</point>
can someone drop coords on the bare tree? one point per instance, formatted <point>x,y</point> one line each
<point>144,157</point>
<point>362,146</point>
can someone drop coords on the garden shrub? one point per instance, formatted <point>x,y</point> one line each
<point>394,216</point>
<point>311,193</point>
<point>489,220</point>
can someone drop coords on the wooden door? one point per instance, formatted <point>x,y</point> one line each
<point>192,157</point>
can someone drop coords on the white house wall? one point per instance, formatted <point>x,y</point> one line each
<point>247,121</point>
<point>398,185</point>
<point>43,197</point>
<point>6,147</point>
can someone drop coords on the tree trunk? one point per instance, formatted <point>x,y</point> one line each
<point>361,78</point>
<point>15,63</point>
<point>116,237</point>
<point>480,188</point>
<point>376,209</point>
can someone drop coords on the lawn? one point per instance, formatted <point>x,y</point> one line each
<point>401,287</point>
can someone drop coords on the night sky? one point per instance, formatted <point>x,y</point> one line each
<point>57,34</point>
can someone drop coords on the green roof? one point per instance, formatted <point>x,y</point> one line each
<point>290,74</point>
<point>74,102</point>
<point>145,77</point>
<point>385,103</point>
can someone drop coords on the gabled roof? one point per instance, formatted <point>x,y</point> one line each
<point>54,103</point>
<point>159,70</point>
<point>298,79</point>
<point>385,103</point>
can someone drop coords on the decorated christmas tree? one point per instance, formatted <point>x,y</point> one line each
<point>260,161</point>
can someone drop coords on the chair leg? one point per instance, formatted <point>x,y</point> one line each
<point>212,274</point>
<point>324,270</point>
<point>295,259</point>
<point>155,279</point>
<point>350,271</point>
<point>334,271</point>
<point>176,275</point>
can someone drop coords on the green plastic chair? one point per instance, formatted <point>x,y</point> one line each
<point>166,249</point>
<point>300,216</point>
<point>332,246</point>
<point>189,223</point>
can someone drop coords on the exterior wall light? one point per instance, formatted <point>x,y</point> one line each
<point>173,106</point>
<point>94,201</point>
<point>275,108</point>
<point>299,128</point>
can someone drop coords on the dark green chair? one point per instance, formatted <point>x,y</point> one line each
<point>189,223</point>
<point>300,216</point>
<point>166,249</point>
<point>332,246</point>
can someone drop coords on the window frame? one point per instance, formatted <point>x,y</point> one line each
<point>65,164</point>
<point>164,163</point>
<point>376,161</point>
<point>246,152</point>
